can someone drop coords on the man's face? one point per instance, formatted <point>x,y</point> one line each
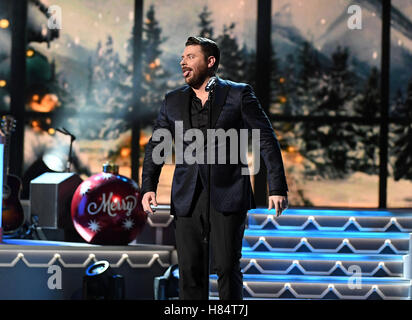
<point>194,66</point>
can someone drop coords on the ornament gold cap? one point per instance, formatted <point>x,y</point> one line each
<point>110,167</point>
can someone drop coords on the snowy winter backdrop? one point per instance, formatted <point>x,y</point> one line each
<point>319,68</point>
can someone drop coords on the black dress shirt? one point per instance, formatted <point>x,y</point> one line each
<point>198,117</point>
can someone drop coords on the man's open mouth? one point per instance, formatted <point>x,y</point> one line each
<point>186,72</point>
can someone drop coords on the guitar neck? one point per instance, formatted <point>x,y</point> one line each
<point>7,126</point>
<point>6,159</point>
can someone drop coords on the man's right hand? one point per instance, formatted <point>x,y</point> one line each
<point>149,198</point>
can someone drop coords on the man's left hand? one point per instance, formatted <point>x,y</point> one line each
<point>279,202</point>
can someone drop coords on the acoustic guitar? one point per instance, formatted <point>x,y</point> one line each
<point>13,214</point>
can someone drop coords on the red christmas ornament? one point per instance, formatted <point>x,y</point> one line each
<point>107,209</point>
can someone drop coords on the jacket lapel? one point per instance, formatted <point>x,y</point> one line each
<point>221,91</point>
<point>220,94</point>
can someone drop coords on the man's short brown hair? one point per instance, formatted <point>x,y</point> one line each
<point>209,48</point>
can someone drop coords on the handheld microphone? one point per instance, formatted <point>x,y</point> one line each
<point>210,84</point>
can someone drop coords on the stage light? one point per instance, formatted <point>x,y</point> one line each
<point>54,161</point>
<point>99,283</point>
<point>3,83</point>
<point>166,287</point>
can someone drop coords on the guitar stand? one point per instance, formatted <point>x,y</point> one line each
<point>72,138</point>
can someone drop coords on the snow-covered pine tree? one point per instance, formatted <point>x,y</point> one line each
<point>288,83</point>
<point>279,95</point>
<point>336,98</point>
<point>154,75</point>
<point>398,109</point>
<point>309,75</point>
<point>249,65</point>
<point>205,24</point>
<point>336,93</point>
<point>236,64</point>
<point>327,147</point>
<point>367,105</point>
<point>232,63</point>
<point>401,146</point>
<point>308,61</point>
<point>306,136</point>
<point>107,94</point>
<point>283,94</point>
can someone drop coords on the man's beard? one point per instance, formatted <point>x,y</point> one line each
<point>198,79</point>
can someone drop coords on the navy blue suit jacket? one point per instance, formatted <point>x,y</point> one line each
<point>235,107</point>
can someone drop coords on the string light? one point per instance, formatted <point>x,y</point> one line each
<point>48,102</point>
<point>125,152</point>
<point>35,125</point>
<point>30,53</point>
<point>282,99</point>
<point>299,159</point>
<point>4,23</point>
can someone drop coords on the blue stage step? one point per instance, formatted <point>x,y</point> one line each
<point>321,221</point>
<point>325,254</point>
<point>326,242</point>
<point>313,287</point>
<point>335,212</point>
<point>321,264</point>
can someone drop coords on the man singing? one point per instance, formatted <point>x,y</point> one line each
<point>234,107</point>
